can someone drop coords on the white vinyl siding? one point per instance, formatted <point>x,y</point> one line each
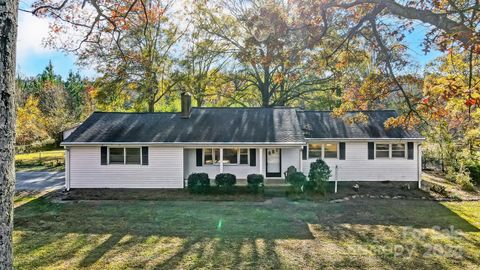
<point>357,166</point>
<point>165,170</point>
<point>290,157</point>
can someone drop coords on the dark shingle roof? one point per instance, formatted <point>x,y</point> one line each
<point>320,124</point>
<point>231,125</point>
<point>215,125</point>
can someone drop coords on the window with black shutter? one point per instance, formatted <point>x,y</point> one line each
<point>410,150</point>
<point>253,157</point>
<point>304,152</point>
<point>144,155</point>
<point>199,157</point>
<point>371,150</point>
<point>103,155</point>
<point>342,150</point>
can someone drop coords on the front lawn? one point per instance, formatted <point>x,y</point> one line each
<point>40,161</point>
<point>275,234</point>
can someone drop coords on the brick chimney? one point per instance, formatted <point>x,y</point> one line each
<point>186,101</point>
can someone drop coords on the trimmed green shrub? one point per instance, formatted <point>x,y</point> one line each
<point>296,180</point>
<point>255,182</point>
<point>225,182</point>
<point>309,186</point>
<point>320,173</point>
<point>198,183</point>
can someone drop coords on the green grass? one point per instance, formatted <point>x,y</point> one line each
<point>40,161</point>
<point>275,234</point>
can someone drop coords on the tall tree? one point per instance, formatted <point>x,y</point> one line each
<point>131,45</point>
<point>383,25</point>
<point>201,65</point>
<point>272,48</point>
<point>8,37</point>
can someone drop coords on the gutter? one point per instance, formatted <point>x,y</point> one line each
<point>67,168</point>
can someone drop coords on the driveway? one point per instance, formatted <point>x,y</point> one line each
<point>40,180</point>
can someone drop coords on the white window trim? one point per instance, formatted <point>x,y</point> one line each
<point>125,155</point>
<point>248,156</point>
<point>405,151</point>
<point>221,154</point>
<point>390,151</point>
<point>322,151</point>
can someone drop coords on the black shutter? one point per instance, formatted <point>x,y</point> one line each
<point>199,157</point>
<point>144,155</point>
<point>253,157</point>
<point>342,150</point>
<point>410,150</point>
<point>103,155</point>
<point>304,153</point>
<point>371,150</point>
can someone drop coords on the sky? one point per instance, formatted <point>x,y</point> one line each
<point>32,56</point>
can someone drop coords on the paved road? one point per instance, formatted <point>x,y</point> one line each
<point>40,180</point>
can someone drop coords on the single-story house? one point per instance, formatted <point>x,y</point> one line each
<point>160,150</point>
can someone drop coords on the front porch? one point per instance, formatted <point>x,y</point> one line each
<point>271,161</point>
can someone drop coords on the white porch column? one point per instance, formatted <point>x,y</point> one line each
<point>221,160</point>
<point>260,159</point>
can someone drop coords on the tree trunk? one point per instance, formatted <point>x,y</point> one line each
<point>151,105</point>
<point>8,36</point>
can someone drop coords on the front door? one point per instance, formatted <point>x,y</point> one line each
<point>274,164</point>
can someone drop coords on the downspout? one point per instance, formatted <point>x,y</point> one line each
<point>419,165</point>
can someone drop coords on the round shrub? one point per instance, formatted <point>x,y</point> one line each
<point>225,182</point>
<point>296,180</point>
<point>255,182</point>
<point>198,182</point>
<point>309,186</point>
<point>320,173</point>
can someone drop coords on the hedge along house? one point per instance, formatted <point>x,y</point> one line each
<point>160,150</point>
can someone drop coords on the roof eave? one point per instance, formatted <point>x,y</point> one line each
<point>365,139</point>
<point>181,143</point>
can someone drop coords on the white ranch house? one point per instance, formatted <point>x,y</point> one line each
<point>160,150</point>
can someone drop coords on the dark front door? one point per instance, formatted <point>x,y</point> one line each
<point>274,162</point>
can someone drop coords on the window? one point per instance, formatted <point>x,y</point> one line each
<point>230,156</point>
<point>117,156</point>
<point>244,156</point>
<point>132,155</point>
<point>211,156</point>
<point>330,150</point>
<point>398,150</point>
<point>315,150</point>
<point>122,155</point>
<point>382,150</point>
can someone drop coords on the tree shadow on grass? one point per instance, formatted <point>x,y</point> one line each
<point>213,233</point>
<point>409,213</point>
